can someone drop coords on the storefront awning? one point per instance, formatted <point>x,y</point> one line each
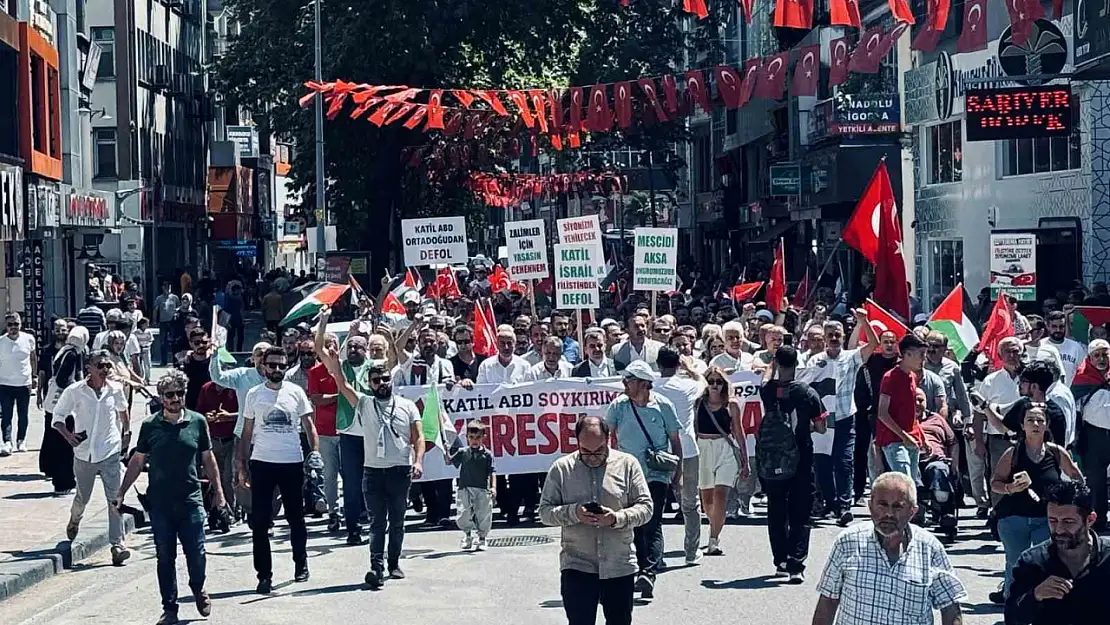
<point>774,232</point>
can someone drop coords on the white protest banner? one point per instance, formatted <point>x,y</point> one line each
<point>434,240</point>
<point>576,276</point>
<point>656,264</point>
<point>530,425</point>
<point>1014,266</point>
<point>526,246</point>
<point>582,230</point>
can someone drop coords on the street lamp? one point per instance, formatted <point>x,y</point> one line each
<point>102,113</point>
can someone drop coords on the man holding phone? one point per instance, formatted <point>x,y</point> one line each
<point>101,422</point>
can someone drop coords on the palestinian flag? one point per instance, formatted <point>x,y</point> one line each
<point>438,429</point>
<point>325,295</point>
<point>393,311</point>
<point>951,320</point>
<point>1083,317</point>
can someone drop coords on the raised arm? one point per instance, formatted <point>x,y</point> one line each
<point>330,358</point>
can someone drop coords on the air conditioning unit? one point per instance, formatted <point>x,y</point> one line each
<point>161,77</point>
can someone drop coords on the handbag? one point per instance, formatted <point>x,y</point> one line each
<point>728,438</point>
<point>656,459</point>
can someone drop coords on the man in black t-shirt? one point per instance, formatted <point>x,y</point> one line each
<point>195,366</point>
<point>785,466</point>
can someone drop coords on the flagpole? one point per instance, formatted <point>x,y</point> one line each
<point>832,255</point>
<point>653,298</point>
<point>580,340</point>
<point>532,297</point>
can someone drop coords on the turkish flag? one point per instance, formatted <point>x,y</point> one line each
<point>670,94</point>
<point>776,286</point>
<point>622,103</point>
<point>435,110</point>
<point>598,116</point>
<point>794,13</point>
<point>558,117</point>
<point>882,321</point>
<point>838,61</point>
<point>521,102</point>
<point>575,111</point>
<point>927,38</point>
<point>844,13</point>
<point>1022,15</point>
<point>446,285</point>
<point>540,107</point>
<point>999,325</point>
<point>807,65</point>
<point>865,56</point>
<point>890,272</point>
<point>697,7</point>
<point>889,39</point>
<point>772,80</point>
<point>974,35</point>
<point>862,231</point>
<point>938,14</point>
<point>728,84</point>
<point>499,280</point>
<point>485,335</point>
<point>744,291</point>
<point>900,9</point>
<point>801,294</point>
<point>751,75</point>
<point>696,91</point>
<point>655,110</point>
<point>746,7</point>
<point>490,97</point>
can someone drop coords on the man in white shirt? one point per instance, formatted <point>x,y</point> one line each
<point>734,358</point>
<point>507,367</point>
<point>1038,347</point>
<point>684,391</point>
<point>425,366</point>
<point>537,334</point>
<point>271,411</point>
<point>101,423</point>
<point>684,344</point>
<point>637,346</point>
<point>552,366</point>
<point>595,364</point>
<point>1001,387</point>
<point>18,372</point>
<point>1072,352</point>
<point>393,457</point>
<point>165,307</point>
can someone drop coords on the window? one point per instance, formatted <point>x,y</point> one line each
<point>1043,154</point>
<point>105,153</point>
<point>946,152</point>
<point>946,266</point>
<point>106,38</point>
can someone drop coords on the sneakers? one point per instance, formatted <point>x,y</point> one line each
<point>373,579</point>
<point>481,543</point>
<point>780,571</point>
<point>264,586</point>
<point>355,540</point>
<point>21,447</point>
<point>71,529</point>
<point>395,572</point>
<point>321,506</point>
<point>334,524</point>
<point>301,575</point>
<point>204,603</point>
<point>796,578</point>
<point>467,542</point>
<point>693,559</point>
<point>997,597</point>
<point>5,449</point>
<point>714,548</point>
<point>845,518</point>
<point>645,586</point>
<point>120,554</point>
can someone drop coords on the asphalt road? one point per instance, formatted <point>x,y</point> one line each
<point>515,581</point>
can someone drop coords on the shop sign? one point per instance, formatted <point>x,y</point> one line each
<point>34,291</point>
<point>1092,33</point>
<point>785,180</point>
<point>11,202</point>
<point>1013,264</point>
<point>935,91</point>
<point>1019,113</point>
<point>85,209</point>
<point>246,138</point>
<point>1044,53</point>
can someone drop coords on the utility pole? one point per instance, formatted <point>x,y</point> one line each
<point>651,188</point>
<point>321,210</point>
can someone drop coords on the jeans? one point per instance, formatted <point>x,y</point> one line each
<point>288,478</point>
<point>862,452</point>
<point>387,494</point>
<point>14,399</point>
<point>168,528</point>
<point>978,474</point>
<point>329,450</point>
<point>788,506</point>
<point>165,342</point>
<point>1019,533</point>
<point>843,452</point>
<point>351,455</point>
<point>826,486</point>
<point>437,498</point>
<point>902,459</point>
<point>688,502</point>
<point>1096,457</point>
<point>224,451</point>
<point>582,592</point>
<point>648,538</point>
<point>111,473</point>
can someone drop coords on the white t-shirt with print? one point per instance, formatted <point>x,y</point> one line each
<point>275,414</point>
<point>1072,352</point>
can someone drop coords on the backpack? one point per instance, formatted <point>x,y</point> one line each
<point>776,447</point>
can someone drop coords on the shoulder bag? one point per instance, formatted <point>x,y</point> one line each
<point>657,459</point>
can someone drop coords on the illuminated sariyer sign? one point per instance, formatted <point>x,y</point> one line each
<point>1018,112</point>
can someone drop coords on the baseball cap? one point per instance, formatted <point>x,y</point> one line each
<point>766,315</point>
<point>411,296</point>
<point>640,370</point>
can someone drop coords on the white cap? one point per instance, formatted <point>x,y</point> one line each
<point>640,370</point>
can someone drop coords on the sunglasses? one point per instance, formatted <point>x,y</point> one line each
<point>276,365</point>
<point>376,379</point>
<point>715,382</point>
<point>463,341</point>
<point>104,366</point>
<point>173,394</point>
<point>307,354</point>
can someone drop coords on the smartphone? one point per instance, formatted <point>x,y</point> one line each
<point>788,339</point>
<point>81,436</point>
<point>593,508</point>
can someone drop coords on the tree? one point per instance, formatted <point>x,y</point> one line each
<point>424,43</point>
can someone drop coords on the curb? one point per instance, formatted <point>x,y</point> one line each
<point>27,568</point>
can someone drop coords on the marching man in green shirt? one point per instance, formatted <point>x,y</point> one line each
<point>170,444</point>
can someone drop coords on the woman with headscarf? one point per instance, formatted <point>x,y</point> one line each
<point>69,368</point>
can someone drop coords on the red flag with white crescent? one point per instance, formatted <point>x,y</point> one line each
<point>696,91</point>
<point>670,94</point>
<point>728,84</point>
<point>838,61</point>
<point>1022,15</point>
<point>772,80</point>
<point>900,9</point>
<point>751,76</point>
<point>622,103</point>
<point>844,13</point>
<point>651,92</point>
<point>865,57</point>
<point>794,14</point>
<point>807,65</point>
<point>974,35</point>
<point>598,116</point>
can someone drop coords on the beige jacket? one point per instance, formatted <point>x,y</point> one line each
<point>618,485</point>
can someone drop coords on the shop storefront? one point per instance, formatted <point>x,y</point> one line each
<point>90,241</point>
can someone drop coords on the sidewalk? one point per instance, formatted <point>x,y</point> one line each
<point>33,544</point>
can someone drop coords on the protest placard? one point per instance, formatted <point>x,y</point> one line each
<point>582,230</point>
<point>434,240</point>
<point>656,259</point>
<point>526,245</point>
<point>576,267</point>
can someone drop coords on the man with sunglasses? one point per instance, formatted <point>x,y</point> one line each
<point>393,457</point>
<point>100,423</point>
<point>172,443</point>
<point>195,367</point>
<point>271,412</point>
<point>18,371</point>
<point>465,362</point>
